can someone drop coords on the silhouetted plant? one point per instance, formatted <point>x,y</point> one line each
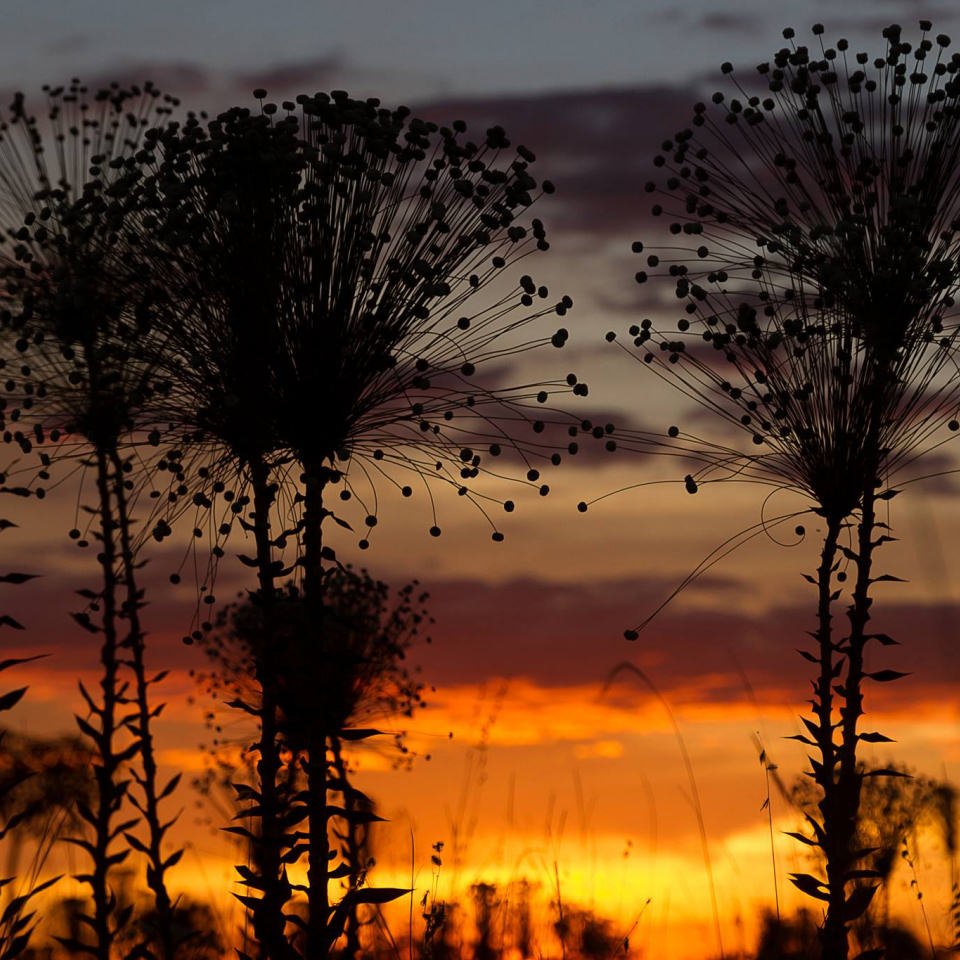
<point>364,679</point>
<point>17,920</point>
<point>220,333</point>
<point>893,810</point>
<point>366,637</point>
<point>319,267</point>
<point>365,676</point>
<point>818,264</point>
<point>955,915</point>
<point>73,326</point>
<point>434,912</point>
<point>245,651</point>
<point>501,924</point>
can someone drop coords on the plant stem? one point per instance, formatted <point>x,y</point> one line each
<point>268,920</point>
<point>354,844</point>
<point>109,792</point>
<point>136,642</point>
<point>850,779</point>
<point>825,770</point>
<point>318,940</point>
<point>859,615</point>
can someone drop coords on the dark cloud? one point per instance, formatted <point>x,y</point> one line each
<point>725,21</point>
<point>542,429</point>
<point>934,475</point>
<point>637,300</point>
<point>569,634</point>
<point>299,76</point>
<point>597,145</point>
<point>706,647</point>
<point>69,44</point>
<point>44,606</point>
<point>178,78</point>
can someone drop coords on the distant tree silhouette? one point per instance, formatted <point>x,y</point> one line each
<point>195,930</point>
<point>593,936</point>
<point>319,266</point>
<point>72,324</point>
<point>816,259</point>
<point>485,904</point>
<point>46,779</point>
<point>789,938</point>
<point>502,926</point>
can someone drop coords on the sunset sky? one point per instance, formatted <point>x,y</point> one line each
<point>537,756</point>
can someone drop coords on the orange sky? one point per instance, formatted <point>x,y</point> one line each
<point>546,764</point>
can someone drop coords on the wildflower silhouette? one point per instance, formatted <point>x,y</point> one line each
<point>365,680</point>
<point>17,921</point>
<point>369,632</point>
<point>77,390</point>
<point>366,638</point>
<point>218,335</point>
<point>320,264</point>
<point>816,257</point>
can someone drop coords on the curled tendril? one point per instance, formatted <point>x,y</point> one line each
<point>800,531</point>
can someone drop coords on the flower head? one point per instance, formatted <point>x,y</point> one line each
<point>816,215</point>
<point>362,677</point>
<point>323,267</point>
<point>72,319</point>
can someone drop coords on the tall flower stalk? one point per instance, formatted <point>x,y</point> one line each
<point>338,248</point>
<point>219,335</point>
<point>817,265</point>
<point>366,637</point>
<point>79,395</point>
